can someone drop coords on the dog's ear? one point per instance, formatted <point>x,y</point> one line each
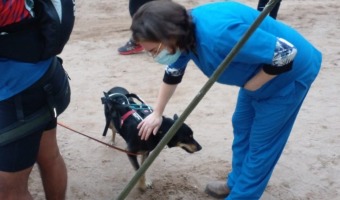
<point>175,117</point>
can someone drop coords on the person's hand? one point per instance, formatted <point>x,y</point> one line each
<point>149,125</point>
<point>258,81</point>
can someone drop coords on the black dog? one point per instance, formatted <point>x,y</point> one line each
<point>123,115</point>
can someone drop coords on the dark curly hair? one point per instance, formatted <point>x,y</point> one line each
<point>166,22</point>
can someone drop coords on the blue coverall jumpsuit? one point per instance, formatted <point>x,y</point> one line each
<point>263,119</point>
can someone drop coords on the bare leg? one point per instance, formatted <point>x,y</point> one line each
<point>52,167</point>
<point>14,185</point>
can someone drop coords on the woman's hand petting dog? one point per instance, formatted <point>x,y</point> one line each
<point>149,125</point>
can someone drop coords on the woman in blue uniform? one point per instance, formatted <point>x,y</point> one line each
<point>274,71</point>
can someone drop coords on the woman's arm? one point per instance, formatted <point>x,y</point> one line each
<point>152,122</point>
<point>165,93</point>
<point>258,80</point>
<point>282,62</point>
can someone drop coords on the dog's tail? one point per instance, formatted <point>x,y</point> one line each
<point>113,102</point>
<point>104,101</point>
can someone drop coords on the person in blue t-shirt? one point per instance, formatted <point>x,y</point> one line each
<point>32,94</point>
<point>274,71</point>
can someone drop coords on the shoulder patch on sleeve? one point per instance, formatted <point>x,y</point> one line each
<point>174,72</point>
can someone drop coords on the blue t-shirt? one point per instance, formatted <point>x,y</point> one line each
<point>17,76</point>
<point>220,25</point>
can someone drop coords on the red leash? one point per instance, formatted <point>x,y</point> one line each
<point>106,144</point>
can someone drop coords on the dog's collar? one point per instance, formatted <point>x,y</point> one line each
<point>125,116</point>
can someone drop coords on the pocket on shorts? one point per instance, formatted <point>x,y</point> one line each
<point>58,89</point>
<point>63,97</point>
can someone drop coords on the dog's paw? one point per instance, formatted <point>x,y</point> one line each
<point>145,185</point>
<point>148,184</point>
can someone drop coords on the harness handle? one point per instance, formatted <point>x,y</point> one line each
<point>133,95</point>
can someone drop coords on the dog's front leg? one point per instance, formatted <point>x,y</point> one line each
<point>143,182</point>
<point>134,162</point>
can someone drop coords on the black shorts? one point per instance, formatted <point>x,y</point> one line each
<point>22,152</point>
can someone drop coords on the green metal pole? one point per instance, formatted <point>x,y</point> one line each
<point>196,100</point>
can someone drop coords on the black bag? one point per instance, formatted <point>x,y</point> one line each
<point>43,36</point>
<point>58,100</point>
<point>58,97</point>
<point>55,29</point>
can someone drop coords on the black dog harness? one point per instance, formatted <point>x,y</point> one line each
<point>125,116</point>
<point>116,101</point>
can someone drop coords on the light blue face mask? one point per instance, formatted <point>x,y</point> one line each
<point>165,58</point>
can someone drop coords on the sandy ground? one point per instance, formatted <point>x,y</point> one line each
<point>308,169</point>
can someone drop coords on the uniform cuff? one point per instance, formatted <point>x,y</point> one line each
<point>172,80</point>
<point>274,70</point>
